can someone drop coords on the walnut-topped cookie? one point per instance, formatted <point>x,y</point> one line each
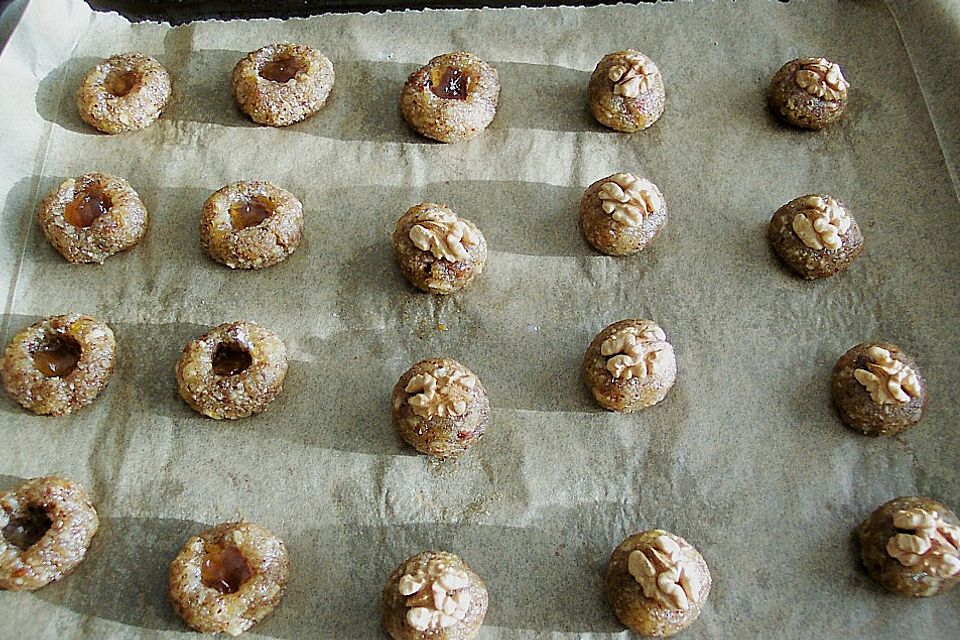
<point>657,583</point>
<point>451,98</point>
<point>630,365</point>
<point>878,389</point>
<point>810,93</point>
<point>437,250</point>
<point>622,213</point>
<point>433,595</point>
<point>626,91</point>
<point>911,545</point>
<point>815,235</point>
<point>440,408</point>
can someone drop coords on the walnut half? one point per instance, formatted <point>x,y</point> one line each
<point>888,380</point>
<point>667,572</point>
<point>633,78</point>
<point>822,223</point>
<point>447,393</point>
<point>436,597</point>
<point>634,351</point>
<point>443,234</point>
<point>629,199</point>
<point>933,543</point>
<point>822,78</point>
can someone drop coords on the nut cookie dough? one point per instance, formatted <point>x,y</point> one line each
<point>283,83</point>
<point>251,225</point>
<point>60,364</point>
<point>657,583</point>
<point>437,250</point>
<point>47,525</point>
<point>622,213</point>
<point>809,93</point>
<point>229,578</point>
<point>440,408</point>
<point>878,389</point>
<point>91,217</point>
<point>232,372</point>
<point>124,93</point>
<point>815,235</point>
<point>630,366</point>
<point>451,98</point>
<point>911,545</point>
<point>626,91</point>
<point>433,596</point>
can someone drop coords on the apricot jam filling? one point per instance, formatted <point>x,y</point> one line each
<point>225,570</point>
<point>230,359</point>
<point>27,529</point>
<point>281,69</point>
<point>450,83</point>
<point>119,82</point>
<point>57,357</point>
<point>250,213</point>
<point>87,206</point>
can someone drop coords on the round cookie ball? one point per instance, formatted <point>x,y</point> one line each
<point>91,217</point>
<point>815,235</point>
<point>630,366</point>
<point>622,213</point>
<point>282,83</point>
<point>878,389</point>
<point>232,372</point>
<point>437,250</point>
<point>124,93</point>
<point>440,408</point>
<point>251,225</point>
<point>657,583</point>
<point>809,93</point>
<point>911,545</point>
<point>60,364</point>
<point>451,98</point>
<point>47,525</point>
<point>433,596</point>
<point>626,91</point>
<point>229,578</point>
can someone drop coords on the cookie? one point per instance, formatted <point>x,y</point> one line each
<point>124,93</point>
<point>815,235</point>
<point>622,213</point>
<point>911,545</point>
<point>452,98</point>
<point>433,596</point>
<point>626,91</point>
<point>91,217</point>
<point>440,408</point>
<point>283,83</point>
<point>809,93</point>
<point>878,389</point>
<point>251,225</point>
<point>60,364</point>
<point>47,524</point>
<point>229,578</point>
<point>437,250</point>
<point>657,583</point>
<point>232,372</point>
<point>630,366</point>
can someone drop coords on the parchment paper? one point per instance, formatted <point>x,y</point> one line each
<point>745,458</point>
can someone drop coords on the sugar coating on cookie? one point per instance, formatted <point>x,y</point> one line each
<point>91,217</point>
<point>46,526</point>
<point>283,83</point>
<point>911,545</point>
<point>657,583</point>
<point>124,93</point>
<point>815,235</point>
<point>878,389</point>
<point>626,91</point>
<point>433,595</point>
<point>234,371</point>
<point>452,98</point>
<point>251,225</point>
<point>229,578</point>
<point>629,366</point>
<point>622,213</point>
<point>437,250</point>
<point>440,407</point>
<point>809,93</point>
<point>59,364</point>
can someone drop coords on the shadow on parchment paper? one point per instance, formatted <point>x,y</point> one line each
<point>124,576</point>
